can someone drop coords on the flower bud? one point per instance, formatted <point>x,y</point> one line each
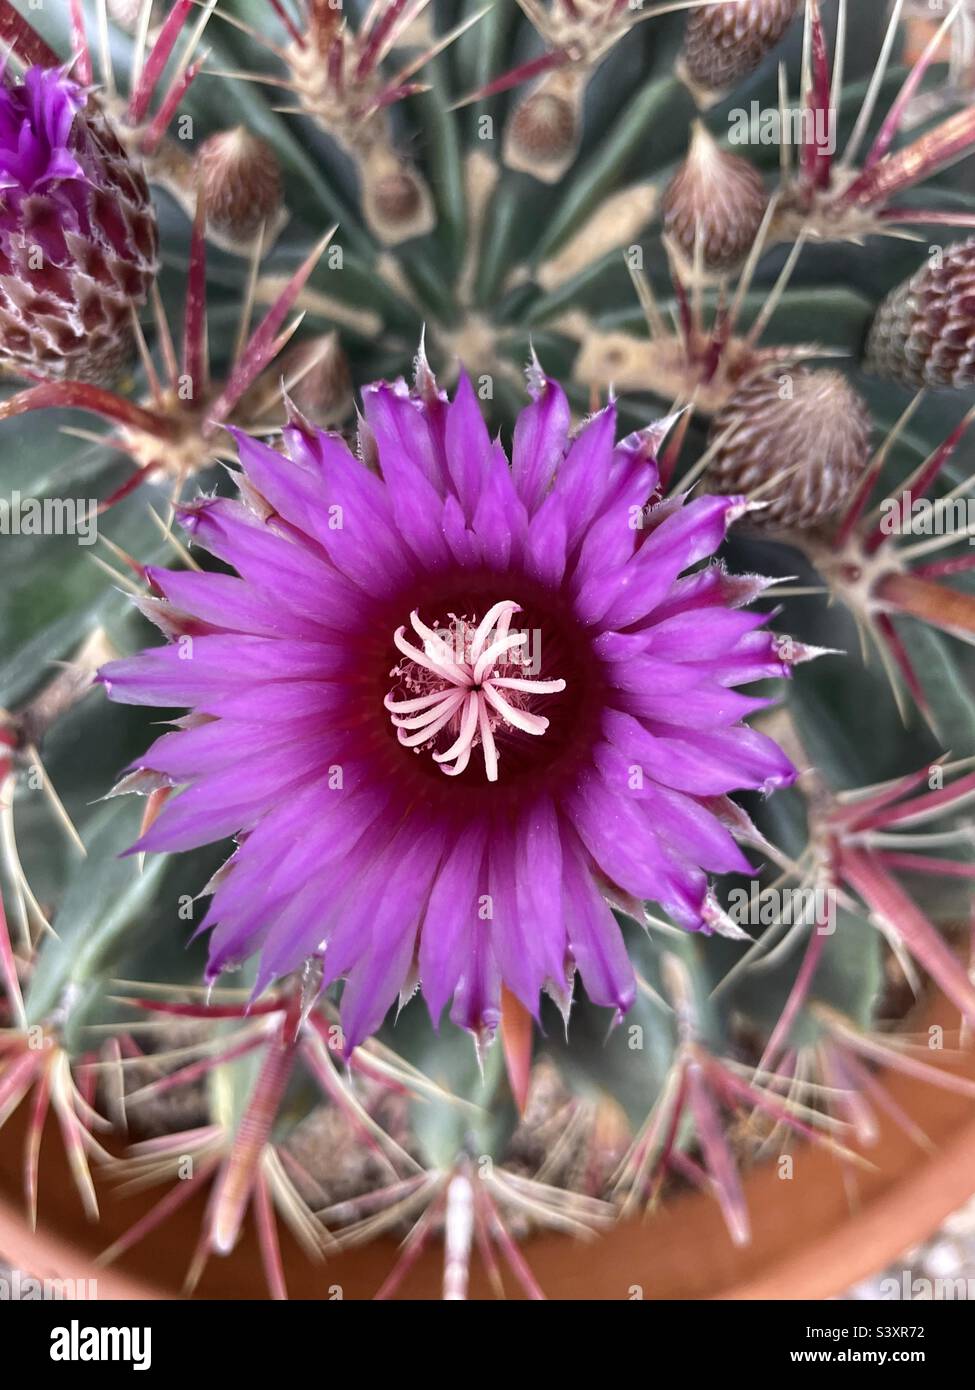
<point>78,238</point>
<point>725,42</point>
<point>809,431</point>
<point>241,183</point>
<point>924,331</point>
<point>718,196</point>
<point>542,135</point>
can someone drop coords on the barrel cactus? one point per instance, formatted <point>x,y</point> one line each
<point>487,434</point>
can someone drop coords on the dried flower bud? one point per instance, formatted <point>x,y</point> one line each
<point>241,182</point>
<point>78,238</point>
<point>809,430</point>
<point>717,196</point>
<point>924,331</point>
<point>725,42</point>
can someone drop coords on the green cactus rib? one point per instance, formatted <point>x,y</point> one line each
<point>500,266</point>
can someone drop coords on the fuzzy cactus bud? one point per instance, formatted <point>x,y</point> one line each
<point>542,135</point>
<point>725,42</point>
<point>240,179</point>
<point>924,331</point>
<point>718,196</point>
<point>808,429</point>
<point>314,373</point>
<point>78,237</point>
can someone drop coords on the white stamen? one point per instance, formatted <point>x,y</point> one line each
<point>444,715</point>
<point>490,657</point>
<point>529,723</point>
<point>461,764</point>
<point>529,687</point>
<point>449,671</point>
<point>427,716</point>
<point>500,612</point>
<point>455,683</point>
<point>410,706</point>
<point>487,742</point>
<point>464,739</point>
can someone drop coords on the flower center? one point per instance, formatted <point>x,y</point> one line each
<point>466,681</point>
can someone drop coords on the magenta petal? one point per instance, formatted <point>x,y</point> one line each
<point>697,636</point>
<point>213,747</point>
<point>450,920</point>
<point>584,480</point>
<point>744,753</point>
<point>539,885</point>
<point>686,766</point>
<point>378,975</point>
<point>295,575</point>
<point>541,436</point>
<point>226,801</point>
<point>690,534</point>
<point>231,603</point>
<point>547,544</point>
<point>514,940</point>
<point>468,447</point>
<point>217,666</point>
<point>477,1001</point>
<point>705,706</point>
<point>406,443</point>
<point>596,941</point>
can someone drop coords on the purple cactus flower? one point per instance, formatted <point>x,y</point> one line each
<point>78,236</point>
<point>35,130</point>
<point>453,707</point>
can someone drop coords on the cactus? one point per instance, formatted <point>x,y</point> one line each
<point>514,384</point>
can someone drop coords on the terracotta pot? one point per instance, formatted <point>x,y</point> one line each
<point>807,1242</point>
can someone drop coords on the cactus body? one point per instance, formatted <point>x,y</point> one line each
<point>468,346</point>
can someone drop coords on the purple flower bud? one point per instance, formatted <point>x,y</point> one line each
<point>78,239</point>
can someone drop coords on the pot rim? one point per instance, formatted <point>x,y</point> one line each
<point>800,1248</point>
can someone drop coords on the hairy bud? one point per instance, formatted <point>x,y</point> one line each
<point>542,135</point>
<point>718,197</point>
<point>241,182</point>
<point>800,440</point>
